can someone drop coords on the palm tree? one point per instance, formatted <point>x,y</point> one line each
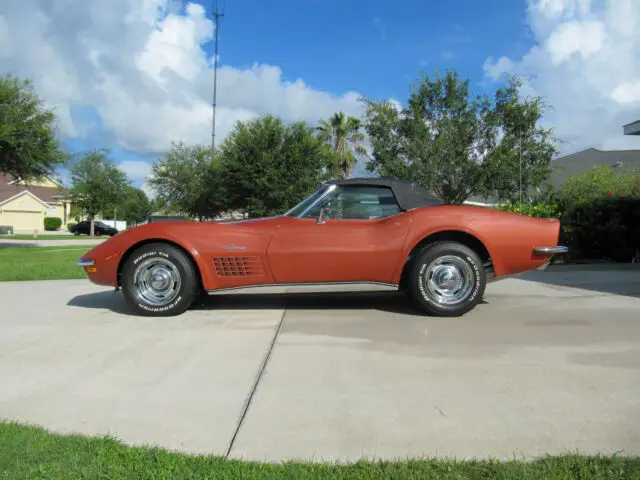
<point>343,134</point>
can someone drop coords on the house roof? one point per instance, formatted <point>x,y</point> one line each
<point>8,189</point>
<point>580,162</point>
<point>632,128</point>
<point>22,194</point>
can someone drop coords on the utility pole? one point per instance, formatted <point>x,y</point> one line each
<point>218,12</point>
<point>520,152</point>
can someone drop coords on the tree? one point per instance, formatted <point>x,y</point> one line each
<point>189,180</point>
<point>96,183</point>
<point>343,135</point>
<point>134,206</point>
<point>28,145</point>
<point>459,145</point>
<point>600,181</point>
<point>270,166</point>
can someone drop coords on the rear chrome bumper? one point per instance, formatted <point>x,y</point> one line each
<point>549,251</point>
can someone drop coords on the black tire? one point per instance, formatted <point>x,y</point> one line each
<point>463,262</point>
<point>167,261</point>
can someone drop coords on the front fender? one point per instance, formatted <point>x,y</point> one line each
<point>110,255</point>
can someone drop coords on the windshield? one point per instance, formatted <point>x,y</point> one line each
<point>300,207</point>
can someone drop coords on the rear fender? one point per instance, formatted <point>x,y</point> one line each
<point>527,244</point>
<point>415,241</point>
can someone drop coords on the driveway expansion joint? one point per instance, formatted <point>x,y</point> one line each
<point>256,383</point>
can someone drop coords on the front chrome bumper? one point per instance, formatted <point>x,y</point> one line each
<point>549,251</point>
<point>85,263</point>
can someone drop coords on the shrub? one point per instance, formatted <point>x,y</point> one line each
<point>537,209</point>
<point>605,228</point>
<point>70,224</point>
<point>52,223</point>
<point>600,181</point>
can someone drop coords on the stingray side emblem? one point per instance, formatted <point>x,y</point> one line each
<point>235,247</point>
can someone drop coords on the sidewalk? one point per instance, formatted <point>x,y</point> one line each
<point>8,242</point>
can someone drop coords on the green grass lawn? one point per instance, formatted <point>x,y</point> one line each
<point>41,263</point>
<point>51,237</point>
<point>28,452</point>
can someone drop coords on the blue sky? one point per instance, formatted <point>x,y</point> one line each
<point>375,47</point>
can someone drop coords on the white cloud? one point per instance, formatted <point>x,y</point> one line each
<point>585,64</point>
<point>497,68</point>
<point>582,38</point>
<point>135,170</point>
<point>146,188</point>
<point>141,64</point>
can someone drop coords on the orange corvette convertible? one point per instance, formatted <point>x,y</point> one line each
<point>363,234</point>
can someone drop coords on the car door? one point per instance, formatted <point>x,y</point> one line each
<point>358,238</point>
<point>83,227</point>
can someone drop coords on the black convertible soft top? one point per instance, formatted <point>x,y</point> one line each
<point>409,194</point>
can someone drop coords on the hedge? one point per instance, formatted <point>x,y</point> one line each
<point>537,209</point>
<point>606,228</point>
<point>52,223</point>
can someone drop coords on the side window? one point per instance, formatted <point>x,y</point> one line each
<point>357,203</point>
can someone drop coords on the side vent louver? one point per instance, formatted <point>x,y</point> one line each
<point>238,266</point>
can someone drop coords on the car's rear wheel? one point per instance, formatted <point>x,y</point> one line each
<point>159,279</point>
<point>447,279</point>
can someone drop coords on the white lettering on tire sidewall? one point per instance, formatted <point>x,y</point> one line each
<point>469,299</point>
<point>149,254</point>
<point>171,306</point>
<point>146,307</point>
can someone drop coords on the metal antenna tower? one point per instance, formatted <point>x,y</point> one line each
<point>218,12</point>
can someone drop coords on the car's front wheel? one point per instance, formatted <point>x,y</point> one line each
<point>159,279</point>
<point>447,279</point>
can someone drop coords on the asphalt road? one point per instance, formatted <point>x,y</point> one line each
<point>539,368</point>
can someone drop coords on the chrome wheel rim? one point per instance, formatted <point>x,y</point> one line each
<point>157,281</point>
<point>449,280</point>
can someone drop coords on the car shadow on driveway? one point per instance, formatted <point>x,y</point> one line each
<point>389,302</point>
<point>610,278</point>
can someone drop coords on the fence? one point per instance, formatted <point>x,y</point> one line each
<point>120,225</point>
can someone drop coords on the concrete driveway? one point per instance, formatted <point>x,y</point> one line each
<point>538,368</point>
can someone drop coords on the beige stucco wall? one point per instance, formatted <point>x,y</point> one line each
<point>23,213</point>
<point>26,214</point>
<point>56,211</point>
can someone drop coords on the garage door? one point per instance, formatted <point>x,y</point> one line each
<point>22,221</point>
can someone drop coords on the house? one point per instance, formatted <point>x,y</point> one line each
<point>580,162</point>
<point>23,206</point>
<point>632,128</point>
